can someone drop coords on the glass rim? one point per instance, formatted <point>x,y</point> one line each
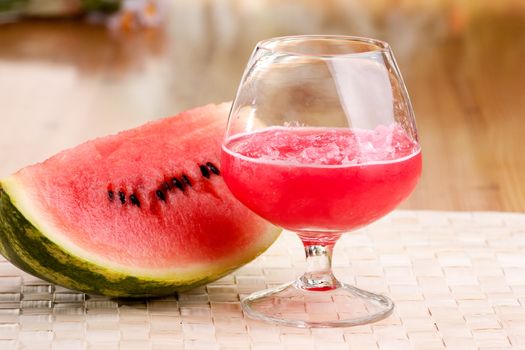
<point>376,45</point>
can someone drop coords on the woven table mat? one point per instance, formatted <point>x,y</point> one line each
<point>458,281</point>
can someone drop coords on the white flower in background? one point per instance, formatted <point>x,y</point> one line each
<point>134,14</point>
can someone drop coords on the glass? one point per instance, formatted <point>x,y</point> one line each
<point>321,140</point>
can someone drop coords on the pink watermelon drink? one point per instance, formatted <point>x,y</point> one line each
<point>319,179</point>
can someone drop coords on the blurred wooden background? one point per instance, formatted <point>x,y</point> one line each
<point>65,81</point>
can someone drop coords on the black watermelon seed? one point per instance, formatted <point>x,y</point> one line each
<point>205,172</point>
<point>122,197</point>
<point>111,195</point>
<point>213,168</point>
<point>186,179</point>
<point>134,200</point>
<point>177,184</point>
<point>160,195</point>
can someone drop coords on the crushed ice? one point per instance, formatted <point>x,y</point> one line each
<point>326,146</point>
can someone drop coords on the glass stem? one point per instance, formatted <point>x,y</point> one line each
<point>318,275</point>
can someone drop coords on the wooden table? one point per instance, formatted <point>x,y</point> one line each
<point>64,81</point>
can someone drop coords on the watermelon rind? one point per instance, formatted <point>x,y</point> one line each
<point>25,243</point>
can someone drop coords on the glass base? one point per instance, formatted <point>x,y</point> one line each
<point>291,305</point>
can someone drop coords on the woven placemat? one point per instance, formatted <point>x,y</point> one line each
<point>458,281</point>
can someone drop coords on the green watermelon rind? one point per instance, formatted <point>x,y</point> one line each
<point>28,248</point>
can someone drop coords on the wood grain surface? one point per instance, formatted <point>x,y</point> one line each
<point>66,81</point>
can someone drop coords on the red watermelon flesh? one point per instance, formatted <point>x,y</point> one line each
<point>148,202</point>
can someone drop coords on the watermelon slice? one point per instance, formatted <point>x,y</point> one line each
<point>141,213</point>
